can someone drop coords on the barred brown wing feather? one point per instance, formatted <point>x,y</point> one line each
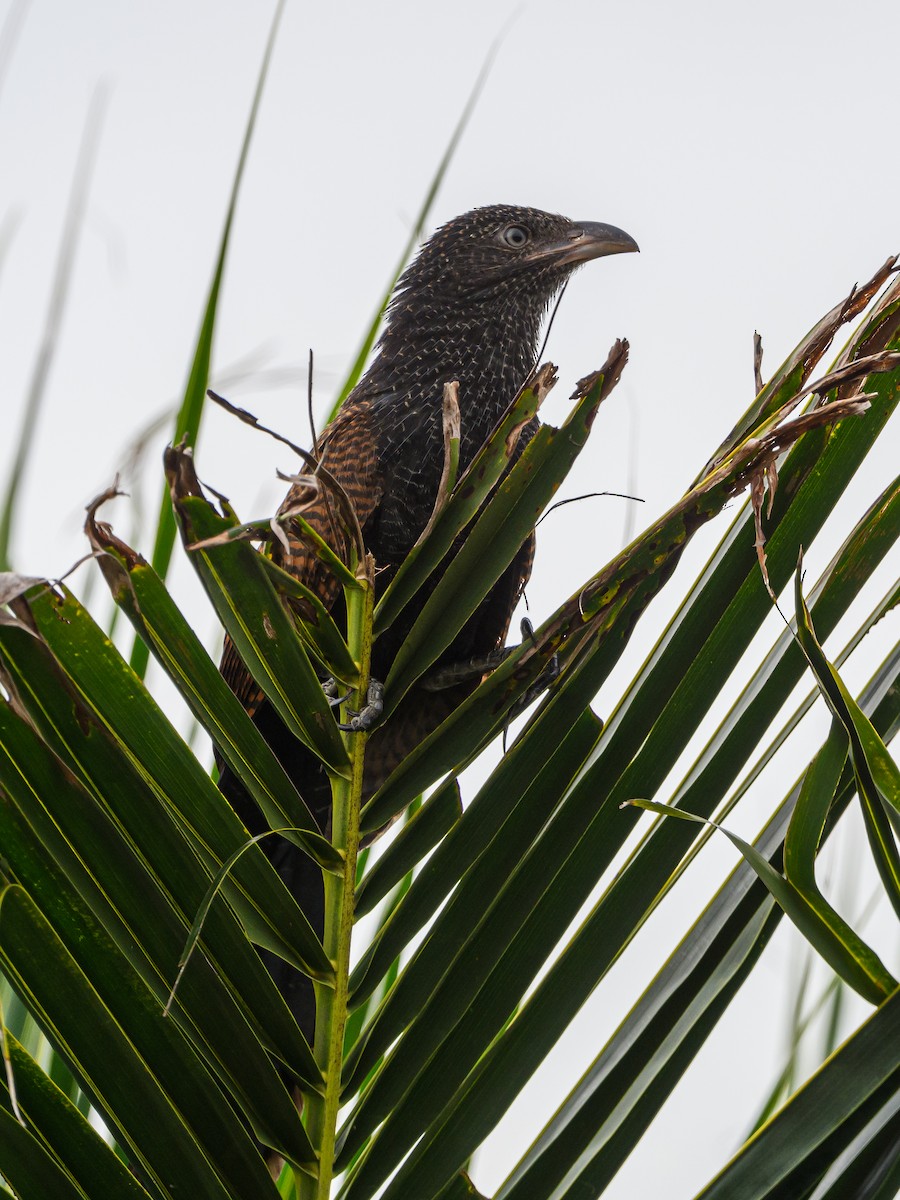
<point>348,451</point>
<point>239,678</point>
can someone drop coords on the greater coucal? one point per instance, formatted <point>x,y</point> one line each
<point>469,308</point>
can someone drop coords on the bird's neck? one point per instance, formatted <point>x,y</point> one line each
<point>489,348</point>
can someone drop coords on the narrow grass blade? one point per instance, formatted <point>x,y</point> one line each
<point>65,262</point>
<point>187,422</point>
<point>877,774</point>
<point>9,35</point>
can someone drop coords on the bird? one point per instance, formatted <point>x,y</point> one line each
<point>469,309</point>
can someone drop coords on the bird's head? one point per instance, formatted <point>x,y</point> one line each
<point>471,304</point>
<point>502,250</point>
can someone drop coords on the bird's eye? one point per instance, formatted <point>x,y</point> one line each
<point>516,236</point>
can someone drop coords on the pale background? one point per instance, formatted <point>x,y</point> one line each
<point>750,150</point>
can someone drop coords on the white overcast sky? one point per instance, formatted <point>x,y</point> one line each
<point>750,149</point>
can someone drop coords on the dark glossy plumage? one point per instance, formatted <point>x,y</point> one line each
<point>469,308</point>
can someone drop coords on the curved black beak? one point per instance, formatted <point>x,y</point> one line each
<point>584,241</point>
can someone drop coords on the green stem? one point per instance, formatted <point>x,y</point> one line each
<point>331,1001</point>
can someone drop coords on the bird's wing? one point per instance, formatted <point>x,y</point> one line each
<point>347,449</point>
<point>238,678</point>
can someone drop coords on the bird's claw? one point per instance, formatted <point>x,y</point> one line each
<point>543,681</point>
<point>462,672</point>
<point>540,685</point>
<point>369,715</point>
<point>332,695</point>
<point>452,674</point>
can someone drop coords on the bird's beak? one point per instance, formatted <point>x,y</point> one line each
<point>584,241</point>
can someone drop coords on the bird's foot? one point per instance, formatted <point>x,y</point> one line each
<point>473,668</point>
<point>332,695</point>
<point>369,715</point>
<point>462,672</point>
